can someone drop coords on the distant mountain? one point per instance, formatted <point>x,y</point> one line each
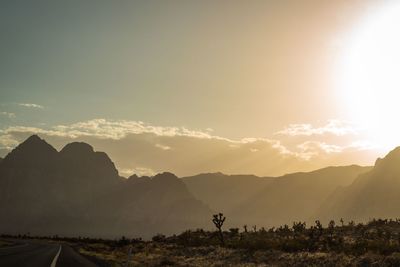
<point>78,191</point>
<point>162,202</point>
<point>374,194</point>
<point>294,197</point>
<point>223,193</point>
<point>266,201</point>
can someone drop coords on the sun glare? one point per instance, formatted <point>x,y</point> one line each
<point>369,75</point>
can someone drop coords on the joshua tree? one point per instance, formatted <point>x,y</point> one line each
<point>331,228</point>
<point>218,220</point>
<point>319,227</point>
<point>299,227</point>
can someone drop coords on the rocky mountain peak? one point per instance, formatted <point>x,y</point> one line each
<point>33,150</point>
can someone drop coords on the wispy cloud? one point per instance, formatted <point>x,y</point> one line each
<point>334,127</point>
<point>9,115</point>
<point>163,147</point>
<point>7,141</point>
<point>134,144</point>
<point>31,105</point>
<point>117,129</point>
<point>310,150</point>
<point>139,171</point>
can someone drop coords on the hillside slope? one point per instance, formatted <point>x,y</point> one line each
<point>223,193</point>
<point>294,197</point>
<point>374,194</point>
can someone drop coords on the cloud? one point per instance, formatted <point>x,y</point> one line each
<point>162,147</point>
<point>30,105</point>
<point>118,129</point>
<point>7,114</point>
<point>139,171</point>
<point>334,127</point>
<point>311,149</point>
<point>7,141</point>
<point>141,148</point>
<point>316,150</point>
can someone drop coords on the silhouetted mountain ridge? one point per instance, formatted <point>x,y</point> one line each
<point>372,195</point>
<point>268,201</point>
<point>76,148</point>
<point>224,192</point>
<point>297,196</point>
<point>78,191</point>
<point>390,161</point>
<point>164,195</point>
<point>33,151</point>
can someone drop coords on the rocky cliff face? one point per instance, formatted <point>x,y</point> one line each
<point>78,191</point>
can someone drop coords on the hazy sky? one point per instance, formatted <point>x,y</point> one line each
<point>216,70</point>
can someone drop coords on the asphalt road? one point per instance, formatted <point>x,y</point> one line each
<point>41,254</point>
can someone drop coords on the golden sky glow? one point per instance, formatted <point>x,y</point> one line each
<point>263,87</point>
<point>368,75</point>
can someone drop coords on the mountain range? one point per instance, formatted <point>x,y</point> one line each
<point>268,201</point>
<point>78,191</point>
<point>374,194</point>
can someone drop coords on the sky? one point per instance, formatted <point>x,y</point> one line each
<point>188,86</point>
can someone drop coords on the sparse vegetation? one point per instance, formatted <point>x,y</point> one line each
<point>376,243</point>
